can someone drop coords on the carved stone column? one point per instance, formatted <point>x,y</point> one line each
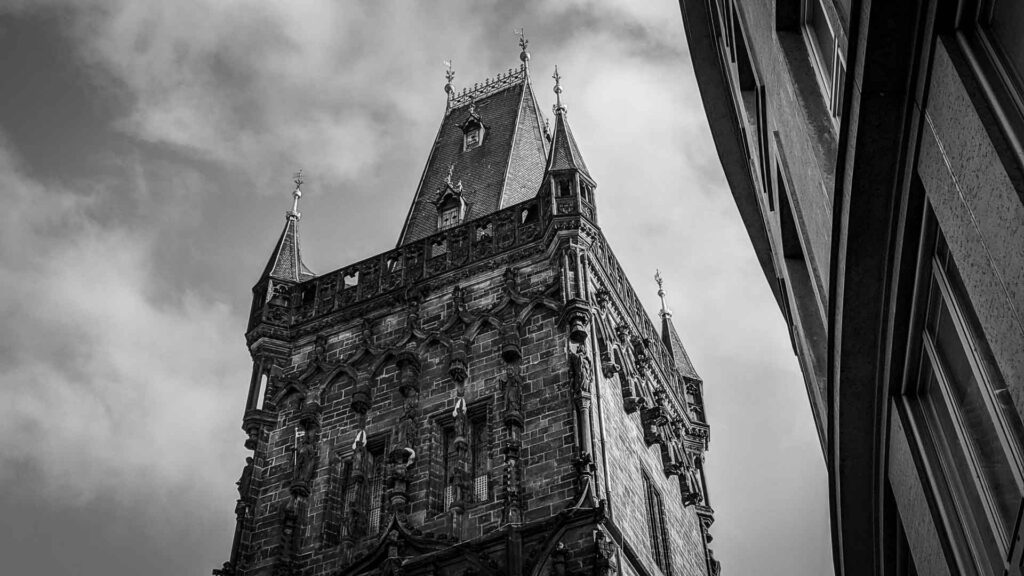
<point>512,388</point>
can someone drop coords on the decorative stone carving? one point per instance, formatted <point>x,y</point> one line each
<point>581,371</point>
<point>309,415</point>
<point>512,388</point>
<point>361,398</point>
<point>716,566</point>
<point>602,297</point>
<point>305,463</point>
<point>559,560</point>
<point>458,363</point>
<point>510,346</point>
<point>320,349</point>
<point>652,419</point>
<point>405,438</point>
<point>584,466</point>
<point>509,281</point>
<point>577,316</point>
<point>604,554</point>
<point>622,333</point>
<point>245,481</point>
<point>408,373</point>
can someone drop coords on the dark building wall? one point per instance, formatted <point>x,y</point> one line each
<point>900,200</point>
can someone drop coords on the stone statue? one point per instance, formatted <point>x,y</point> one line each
<point>407,424</point>
<point>305,459</point>
<point>581,373</point>
<point>513,392</point>
<point>246,479</point>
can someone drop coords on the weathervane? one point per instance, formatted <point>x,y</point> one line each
<point>296,194</point>
<point>524,56</point>
<point>665,312</point>
<point>449,75</point>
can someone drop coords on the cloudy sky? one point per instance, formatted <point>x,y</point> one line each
<point>146,153</point>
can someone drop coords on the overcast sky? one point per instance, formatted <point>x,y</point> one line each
<point>146,153</point>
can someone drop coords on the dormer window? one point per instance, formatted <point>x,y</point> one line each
<point>449,217</point>
<point>472,138</point>
<point>473,130</point>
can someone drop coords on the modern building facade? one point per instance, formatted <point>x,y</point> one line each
<point>874,150</point>
<point>489,397</point>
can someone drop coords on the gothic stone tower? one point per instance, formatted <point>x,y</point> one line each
<point>489,397</point>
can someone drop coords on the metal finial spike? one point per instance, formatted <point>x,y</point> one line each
<point>524,56</point>
<point>665,312</point>
<point>558,91</point>
<point>296,194</point>
<point>449,75</point>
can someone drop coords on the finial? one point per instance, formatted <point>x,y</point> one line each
<point>449,75</point>
<point>665,312</point>
<point>524,56</point>
<point>296,194</point>
<point>448,178</point>
<point>558,91</point>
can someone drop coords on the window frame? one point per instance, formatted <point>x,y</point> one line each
<point>979,540</point>
<point>656,525</point>
<point>475,128</point>
<point>477,418</point>
<point>831,80</point>
<point>1001,87</point>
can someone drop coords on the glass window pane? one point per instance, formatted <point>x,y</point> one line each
<point>1005,32</point>
<point>822,37</point>
<point>968,399</point>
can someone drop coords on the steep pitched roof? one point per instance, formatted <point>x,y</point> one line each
<point>286,260</point>
<point>506,168</point>
<point>565,153</point>
<point>675,346</point>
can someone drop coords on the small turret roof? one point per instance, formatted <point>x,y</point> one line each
<point>680,358</point>
<point>286,260</point>
<point>565,153</point>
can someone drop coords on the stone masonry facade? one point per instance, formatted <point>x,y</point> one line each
<point>489,399</point>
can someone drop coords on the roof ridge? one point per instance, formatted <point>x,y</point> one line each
<point>491,86</point>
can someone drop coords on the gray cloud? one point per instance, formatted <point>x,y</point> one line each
<point>127,278</point>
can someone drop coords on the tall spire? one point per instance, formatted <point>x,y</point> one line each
<point>286,260</point>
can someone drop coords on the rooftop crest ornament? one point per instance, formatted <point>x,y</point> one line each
<point>296,194</point>
<point>661,293</point>
<point>559,107</point>
<point>524,56</point>
<point>449,75</point>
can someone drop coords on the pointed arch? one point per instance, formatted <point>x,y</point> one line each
<point>335,377</point>
<point>290,387</point>
<point>526,312</point>
<point>474,329</point>
<point>433,337</point>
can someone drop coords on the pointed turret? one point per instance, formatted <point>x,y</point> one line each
<point>572,187</point>
<point>671,339</point>
<point>565,153</point>
<point>286,260</point>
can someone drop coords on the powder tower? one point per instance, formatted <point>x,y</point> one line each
<point>488,397</point>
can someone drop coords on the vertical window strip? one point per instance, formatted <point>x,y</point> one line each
<point>337,495</point>
<point>375,493</point>
<point>656,525</point>
<point>478,446</point>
